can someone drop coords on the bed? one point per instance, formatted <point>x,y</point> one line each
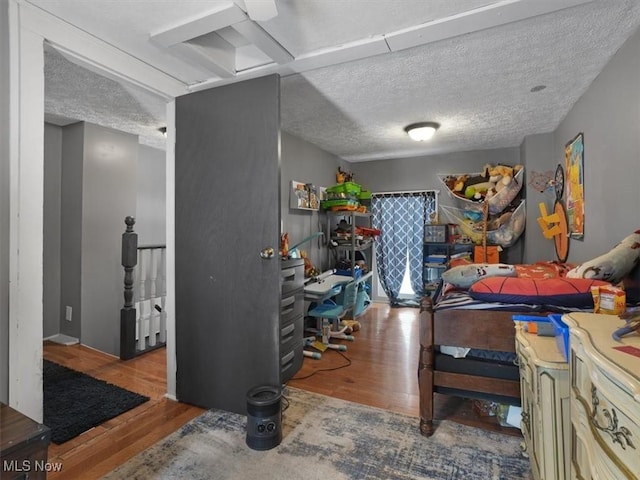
<point>495,378</point>
<point>476,316</point>
<point>484,330</point>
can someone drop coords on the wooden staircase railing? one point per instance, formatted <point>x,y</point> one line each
<point>143,319</point>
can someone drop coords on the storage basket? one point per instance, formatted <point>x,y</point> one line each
<point>505,235</point>
<point>341,204</point>
<point>497,203</point>
<point>562,334</point>
<point>436,233</point>
<point>346,187</point>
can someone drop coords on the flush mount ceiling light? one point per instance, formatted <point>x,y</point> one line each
<point>421,132</point>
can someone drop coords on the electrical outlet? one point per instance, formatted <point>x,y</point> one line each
<point>67,315</point>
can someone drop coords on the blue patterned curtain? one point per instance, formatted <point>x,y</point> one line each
<point>401,218</point>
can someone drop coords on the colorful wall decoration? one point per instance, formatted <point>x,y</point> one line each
<point>574,185</point>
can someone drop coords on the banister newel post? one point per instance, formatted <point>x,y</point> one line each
<point>128,313</point>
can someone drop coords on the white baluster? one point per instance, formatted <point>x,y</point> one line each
<point>142,277</point>
<point>163,272</point>
<point>153,321</point>
<point>153,271</point>
<point>141,322</point>
<point>137,307</point>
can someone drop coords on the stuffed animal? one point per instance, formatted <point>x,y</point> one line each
<point>458,183</point>
<point>614,265</point>
<point>342,176</point>
<point>284,245</point>
<point>486,185</point>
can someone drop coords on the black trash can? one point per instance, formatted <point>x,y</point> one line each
<point>264,417</point>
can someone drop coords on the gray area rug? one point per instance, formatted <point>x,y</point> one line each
<point>326,438</point>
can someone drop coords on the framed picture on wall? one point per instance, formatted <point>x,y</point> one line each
<point>574,185</point>
<point>305,196</point>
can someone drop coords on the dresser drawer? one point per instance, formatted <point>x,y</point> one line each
<point>609,414</point>
<point>524,365</point>
<point>291,355</point>
<point>292,275</point>
<point>291,306</point>
<point>291,334</point>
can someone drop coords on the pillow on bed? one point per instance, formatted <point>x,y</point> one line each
<point>543,270</point>
<point>463,276</point>
<point>563,292</point>
<point>614,265</point>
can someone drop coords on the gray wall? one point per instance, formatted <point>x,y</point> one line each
<point>98,192</point>
<point>4,201</point>
<point>609,116</point>
<point>537,153</point>
<point>151,196</point>
<point>420,173</point>
<point>109,195</point>
<point>304,162</point>
<point>150,226</point>
<point>71,228</point>
<point>51,229</point>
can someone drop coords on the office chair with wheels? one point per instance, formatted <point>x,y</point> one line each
<point>330,312</point>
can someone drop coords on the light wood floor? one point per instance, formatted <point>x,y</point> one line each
<point>381,372</point>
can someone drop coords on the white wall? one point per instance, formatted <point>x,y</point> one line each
<point>4,202</point>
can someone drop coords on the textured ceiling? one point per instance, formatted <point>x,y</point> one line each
<point>355,73</point>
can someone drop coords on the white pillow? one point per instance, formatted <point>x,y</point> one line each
<point>614,265</point>
<point>463,276</point>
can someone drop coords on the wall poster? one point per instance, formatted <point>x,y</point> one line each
<point>574,185</point>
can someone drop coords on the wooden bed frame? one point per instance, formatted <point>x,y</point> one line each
<point>482,329</point>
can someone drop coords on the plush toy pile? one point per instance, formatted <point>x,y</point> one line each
<point>477,188</point>
<point>495,187</point>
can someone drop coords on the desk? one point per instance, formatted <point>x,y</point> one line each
<point>320,291</point>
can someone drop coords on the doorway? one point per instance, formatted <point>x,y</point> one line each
<point>26,183</point>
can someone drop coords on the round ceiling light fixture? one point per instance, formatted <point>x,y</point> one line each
<point>421,132</point>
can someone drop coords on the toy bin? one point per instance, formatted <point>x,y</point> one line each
<point>346,187</point>
<point>436,233</point>
<point>562,334</point>
<point>541,326</point>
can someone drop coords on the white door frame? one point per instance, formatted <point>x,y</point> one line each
<point>29,28</point>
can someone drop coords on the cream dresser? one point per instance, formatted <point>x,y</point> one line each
<point>544,390</point>
<point>605,399</point>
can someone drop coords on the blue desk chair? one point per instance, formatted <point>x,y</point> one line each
<point>329,314</point>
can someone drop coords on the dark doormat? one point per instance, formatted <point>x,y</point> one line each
<point>75,402</point>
